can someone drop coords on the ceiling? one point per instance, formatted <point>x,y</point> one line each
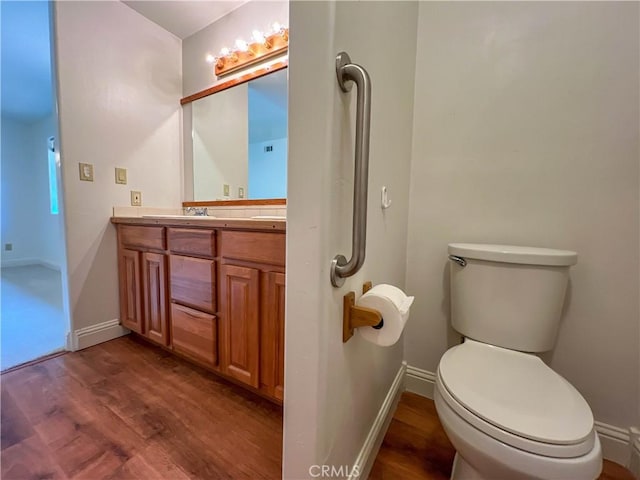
<point>184,17</point>
<point>25,53</point>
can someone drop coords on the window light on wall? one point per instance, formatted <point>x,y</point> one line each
<point>53,178</point>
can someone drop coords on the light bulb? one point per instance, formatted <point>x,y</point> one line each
<point>276,27</point>
<point>258,36</point>
<point>224,51</point>
<point>242,45</point>
<point>210,58</point>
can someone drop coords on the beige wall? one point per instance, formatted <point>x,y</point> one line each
<point>526,132</point>
<point>119,86</point>
<point>335,390</point>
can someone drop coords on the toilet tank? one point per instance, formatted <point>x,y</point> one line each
<point>508,296</point>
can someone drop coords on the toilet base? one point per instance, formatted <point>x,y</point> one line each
<point>463,470</point>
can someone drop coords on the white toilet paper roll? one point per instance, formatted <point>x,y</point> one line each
<point>394,306</point>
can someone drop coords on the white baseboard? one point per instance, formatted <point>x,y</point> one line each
<point>420,381</point>
<point>616,441</point>
<point>50,265</point>
<point>24,262</point>
<point>634,463</point>
<point>95,334</point>
<point>367,456</point>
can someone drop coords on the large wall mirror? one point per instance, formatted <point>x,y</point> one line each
<point>239,138</point>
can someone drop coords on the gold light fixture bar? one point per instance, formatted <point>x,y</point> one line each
<point>274,44</point>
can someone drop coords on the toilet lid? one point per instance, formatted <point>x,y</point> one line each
<point>516,392</point>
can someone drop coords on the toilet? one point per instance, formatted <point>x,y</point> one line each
<point>509,415</point>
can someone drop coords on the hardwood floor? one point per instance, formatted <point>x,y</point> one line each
<point>123,410</point>
<point>416,447</point>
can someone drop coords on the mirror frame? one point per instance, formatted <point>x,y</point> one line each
<point>245,202</point>
<point>260,72</point>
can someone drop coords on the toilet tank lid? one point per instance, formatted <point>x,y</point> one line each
<point>514,254</point>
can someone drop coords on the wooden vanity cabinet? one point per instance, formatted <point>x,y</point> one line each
<point>154,291</point>
<point>272,339</point>
<point>213,295</point>
<point>130,289</point>
<point>193,292</point>
<point>193,282</point>
<point>194,334</point>
<point>143,282</point>
<point>252,309</point>
<point>240,298</point>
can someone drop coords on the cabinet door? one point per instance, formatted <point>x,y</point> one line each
<point>272,335</point>
<point>241,308</point>
<point>130,293</point>
<point>154,284</point>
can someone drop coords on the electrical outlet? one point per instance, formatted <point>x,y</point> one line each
<point>86,172</point>
<point>225,189</point>
<point>136,198</point>
<point>8,247</point>
<point>121,176</point>
<point>240,192</point>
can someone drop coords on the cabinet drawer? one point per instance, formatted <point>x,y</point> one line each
<point>193,282</point>
<point>189,241</point>
<point>256,247</point>
<point>194,334</point>
<point>145,237</point>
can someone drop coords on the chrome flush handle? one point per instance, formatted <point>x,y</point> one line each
<point>459,260</point>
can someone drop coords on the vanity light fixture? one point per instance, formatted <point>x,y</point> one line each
<point>263,46</point>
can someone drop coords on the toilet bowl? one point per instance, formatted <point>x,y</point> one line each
<point>508,414</point>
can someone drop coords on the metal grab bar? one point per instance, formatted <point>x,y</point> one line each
<point>348,73</point>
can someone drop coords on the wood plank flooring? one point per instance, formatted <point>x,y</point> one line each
<point>123,410</point>
<point>417,448</point>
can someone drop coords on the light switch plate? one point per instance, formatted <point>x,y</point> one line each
<point>136,198</point>
<point>240,192</point>
<point>121,176</point>
<point>225,189</point>
<point>86,172</point>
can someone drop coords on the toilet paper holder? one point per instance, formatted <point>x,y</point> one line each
<point>354,316</point>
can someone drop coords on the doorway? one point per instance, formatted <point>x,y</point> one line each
<point>33,322</point>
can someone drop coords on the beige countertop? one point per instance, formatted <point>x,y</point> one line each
<point>206,222</point>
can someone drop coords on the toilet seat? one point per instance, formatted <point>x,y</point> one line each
<point>516,399</point>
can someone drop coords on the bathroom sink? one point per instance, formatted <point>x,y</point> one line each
<point>269,217</point>
<point>184,217</point>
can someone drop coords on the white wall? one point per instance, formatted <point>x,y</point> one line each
<point>221,144</point>
<point>27,222</point>
<point>526,132</point>
<point>119,86</point>
<point>256,15</point>
<point>19,192</point>
<point>335,390</point>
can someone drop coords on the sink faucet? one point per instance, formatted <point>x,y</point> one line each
<point>197,211</point>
